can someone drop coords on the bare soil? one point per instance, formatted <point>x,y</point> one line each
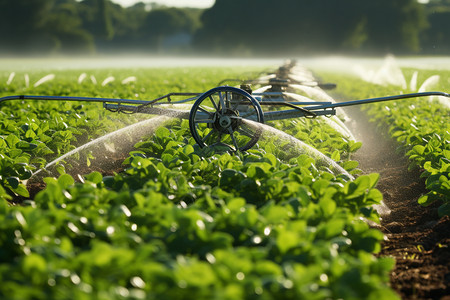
<point>415,236</point>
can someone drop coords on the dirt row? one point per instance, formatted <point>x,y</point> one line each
<point>415,236</point>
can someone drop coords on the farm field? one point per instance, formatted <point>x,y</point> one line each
<point>156,216</point>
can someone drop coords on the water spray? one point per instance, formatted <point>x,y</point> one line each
<point>217,116</point>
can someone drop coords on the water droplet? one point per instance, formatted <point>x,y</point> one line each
<point>240,276</point>
<point>110,230</point>
<point>200,224</point>
<point>210,258</point>
<point>288,284</point>
<point>75,279</point>
<point>257,239</point>
<point>137,282</point>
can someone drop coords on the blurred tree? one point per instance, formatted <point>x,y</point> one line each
<point>394,25</point>
<point>314,26</point>
<point>64,25</point>
<point>241,27</point>
<point>162,23</point>
<point>436,39</point>
<point>331,26</point>
<point>21,25</point>
<point>96,17</point>
<point>127,23</point>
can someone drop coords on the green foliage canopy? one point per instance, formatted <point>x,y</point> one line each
<point>314,25</point>
<point>287,27</point>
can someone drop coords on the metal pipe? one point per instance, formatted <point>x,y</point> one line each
<point>70,98</point>
<point>102,100</point>
<point>380,99</point>
<point>283,103</point>
<point>295,113</point>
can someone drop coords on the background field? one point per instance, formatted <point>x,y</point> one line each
<point>180,221</point>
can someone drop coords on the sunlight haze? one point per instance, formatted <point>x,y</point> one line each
<point>178,3</point>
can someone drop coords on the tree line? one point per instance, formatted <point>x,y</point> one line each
<point>229,27</point>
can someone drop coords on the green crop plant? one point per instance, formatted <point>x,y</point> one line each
<point>180,221</point>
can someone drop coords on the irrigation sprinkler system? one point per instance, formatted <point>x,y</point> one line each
<point>227,115</point>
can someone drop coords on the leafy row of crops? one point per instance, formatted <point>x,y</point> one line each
<point>34,133</point>
<point>420,126</point>
<point>182,222</point>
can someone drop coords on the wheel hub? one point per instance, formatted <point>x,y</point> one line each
<point>224,121</point>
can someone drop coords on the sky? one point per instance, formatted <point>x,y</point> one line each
<point>178,3</point>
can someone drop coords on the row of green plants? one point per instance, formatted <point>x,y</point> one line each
<point>182,222</point>
<point>33,133</point>
<point>420,126</point>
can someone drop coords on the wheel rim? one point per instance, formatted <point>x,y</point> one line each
<point>224,116</point>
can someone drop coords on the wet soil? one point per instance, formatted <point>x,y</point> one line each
<point>107,165</point>
<point>415,236</point>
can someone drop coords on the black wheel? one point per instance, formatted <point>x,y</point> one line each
<point>225,116</point>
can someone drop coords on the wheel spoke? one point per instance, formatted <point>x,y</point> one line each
<point>210,121</point>
<point>208,135</point>
<point>230,130</point>
<point>222,103</point>
<point>213,103</point>
<point>205,111</point>
<point>227,99</point>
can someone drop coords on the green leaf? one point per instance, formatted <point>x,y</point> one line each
<point>272,158</point>
<point>364,182</point>
<point>25,145</point>
<point>374,196</point>
<point>188,149</point>
<point>94,177</point>
<point>65,181</point>
<point>444,209</point>
<point>256,172</point>
<point>426,200</point>
<point>195,275</point>
<point>327,205</point>
<point>34,262</point>
<point>61,169</point>
<point>12,140</point>
<point>13,182</point>
<point>230,178</point>
<point>355,146</point>
<point>320,186</point>
<point>162,133</point>
<point>419,149</point>
<point>374,177</point>
<point>336,156</point>
<point>350,165</point>
<point>21,190</point>
<point>287,240</point>
<point>446,153</point>
<point>332,228</point>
